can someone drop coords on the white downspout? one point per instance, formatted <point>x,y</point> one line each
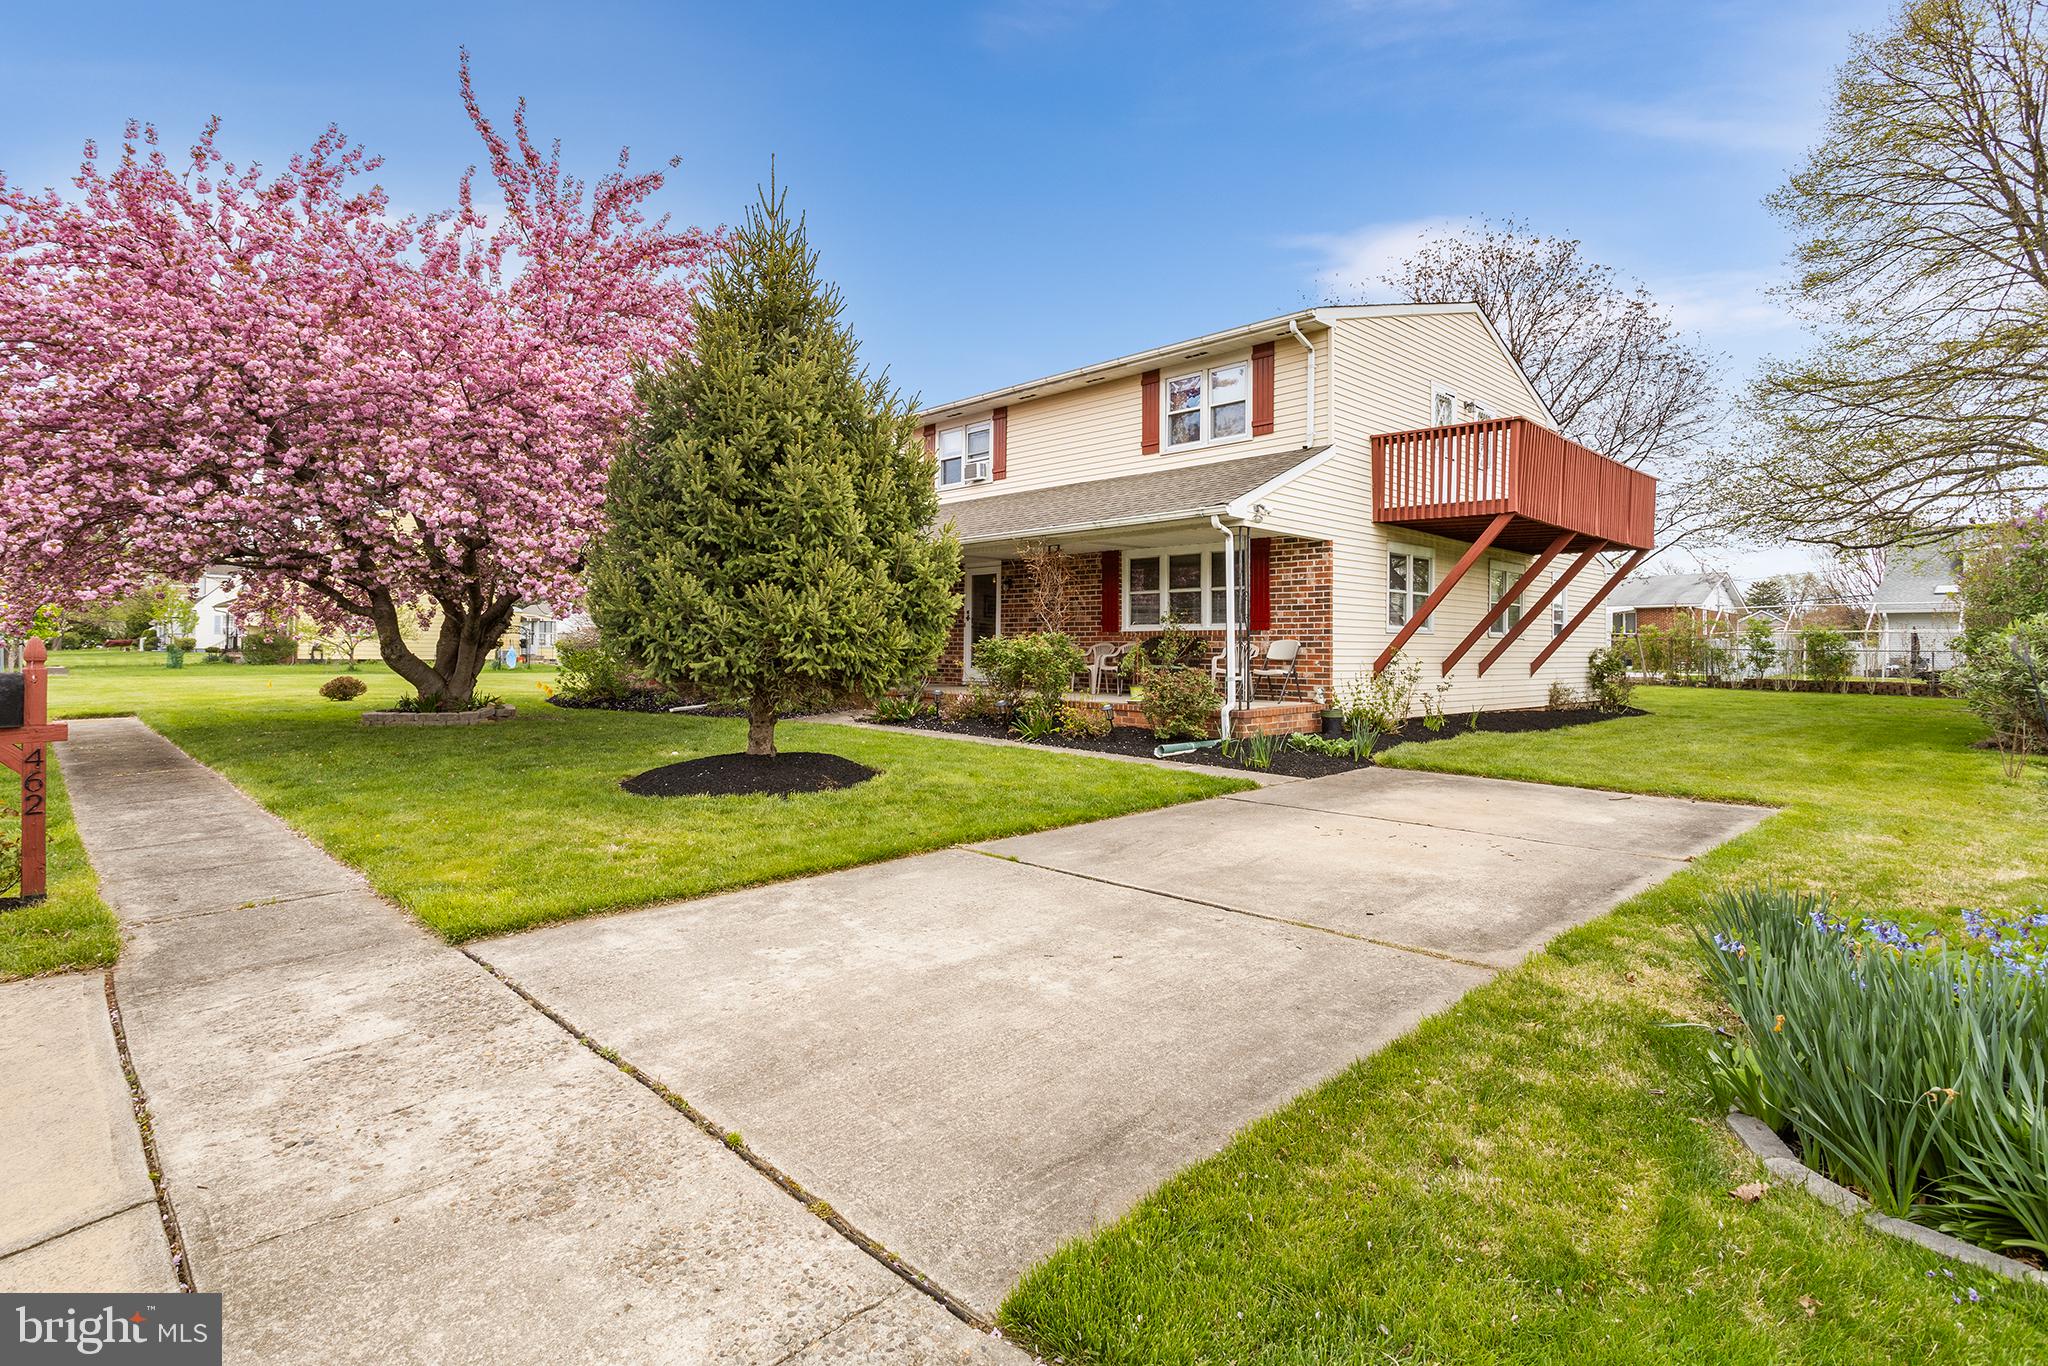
<point>1295,328</point>
<point>1229,625</point>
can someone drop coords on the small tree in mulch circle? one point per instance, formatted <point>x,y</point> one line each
<point>772,520</point>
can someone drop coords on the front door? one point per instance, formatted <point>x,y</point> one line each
<point>984,613</point>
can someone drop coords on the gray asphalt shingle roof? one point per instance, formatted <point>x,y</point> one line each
<point>1912,574</point>
<point>1156,496</point>
<point>1673,590</point>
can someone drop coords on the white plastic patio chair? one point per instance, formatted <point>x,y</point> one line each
<point>1278,663</point>
<point>1102,659</point>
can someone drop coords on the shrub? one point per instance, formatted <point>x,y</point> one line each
<point>1036,720</point>
<point>343,688</point>
<point>1382,701</point>
<point>897,711</point>
<point>1608,685</point>
<point>592,668</point>
<point>1179,704</point>
<point>976,704</point>
<point>1759,646</point>
<point>1561,698</point>
<point>2005,574</point>
<point>2000,687</point>
<point>270,647</point>
<point>1826,654</point>
<point>1078,721</point>
<point>1038,665</point>
<point>1912,1069</point>
<point>1253,751</point>
<point>1174,690</point>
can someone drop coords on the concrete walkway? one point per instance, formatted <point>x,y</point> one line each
<point>378,1152</point>
<point>79,1212</point>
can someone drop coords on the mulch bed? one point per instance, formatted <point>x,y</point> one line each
<point>736,775</point>
<point>1288,761</point>
<point>666,702</point>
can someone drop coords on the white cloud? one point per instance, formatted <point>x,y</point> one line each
<point>1002,23</point>
<point>1729,308</point>
<point>1349,265</point>
<point>1732,302</point>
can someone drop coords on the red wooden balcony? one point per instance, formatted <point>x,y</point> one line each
<point>1455,481</point>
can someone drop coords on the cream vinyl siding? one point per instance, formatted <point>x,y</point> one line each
<point>1093,432</point>
<point>1383,370</point>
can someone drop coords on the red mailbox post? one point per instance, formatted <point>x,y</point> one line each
<point>22,749</point>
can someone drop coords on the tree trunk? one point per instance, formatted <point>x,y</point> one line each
<point>460,653</point>
<point>761,727</point>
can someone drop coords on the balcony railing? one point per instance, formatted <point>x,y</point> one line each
<point>1454,480</point>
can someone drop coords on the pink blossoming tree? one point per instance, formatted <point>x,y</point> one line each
<point>371,417</point>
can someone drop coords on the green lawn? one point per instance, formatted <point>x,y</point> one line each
<point>1537,1175</point>
<point>495,828</point>
<point>73,928</point>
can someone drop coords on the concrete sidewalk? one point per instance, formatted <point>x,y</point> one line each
<point>79,1212</point>
<point>377,1152</point>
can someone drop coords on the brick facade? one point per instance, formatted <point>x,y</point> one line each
<point>1300,596</point>
<point>1664,618</point>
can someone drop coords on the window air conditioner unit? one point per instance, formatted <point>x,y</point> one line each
<point>978,471</point>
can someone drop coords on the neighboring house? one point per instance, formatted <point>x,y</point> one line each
<point>1360,479</point>
<point>1918,609</point>
<point>1656,600</point>
<point>214,598</point>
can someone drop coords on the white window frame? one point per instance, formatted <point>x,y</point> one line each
<point>965,431</point>
<point>1437,394</point>
<point>1206,408</point>
<point>1481,412</point>
<point>1615,621</point>
<point>1503,623</point>
<point>1415,600</point>
<point>1559,614</point>
<point>1213,577</point>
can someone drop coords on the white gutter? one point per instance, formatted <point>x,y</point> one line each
<point>1295,328</point>
<point>1229,625</point>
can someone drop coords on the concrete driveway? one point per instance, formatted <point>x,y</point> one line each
<point>978,1054</point>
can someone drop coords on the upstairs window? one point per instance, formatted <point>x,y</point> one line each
<point>1443,407</point>
<point>1209,405</point>
<point>964,454</point>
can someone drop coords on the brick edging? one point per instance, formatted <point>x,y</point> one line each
<point>1779,1160</point>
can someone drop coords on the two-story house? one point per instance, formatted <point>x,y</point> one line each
<point>1364,480</point>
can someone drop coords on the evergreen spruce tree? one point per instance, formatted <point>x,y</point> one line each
<point>772,531</point>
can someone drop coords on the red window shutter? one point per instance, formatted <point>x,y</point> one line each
<point>1112,591</point>
<point>1261,611</point>
<point>1262,389</point>
<point>931,438</point>
<point>1148,420</point>
<point>999,444</point>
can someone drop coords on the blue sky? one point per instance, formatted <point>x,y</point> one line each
<point>1006,189</point>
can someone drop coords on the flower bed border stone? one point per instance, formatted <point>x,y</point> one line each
<point>477,716</point>
<point>1780,1161</point>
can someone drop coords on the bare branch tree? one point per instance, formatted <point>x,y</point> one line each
<point>1053,574</point>
<point>1606,358</point>
<point>1924,268</point>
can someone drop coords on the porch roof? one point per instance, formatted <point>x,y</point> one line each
<point>1127,500</point>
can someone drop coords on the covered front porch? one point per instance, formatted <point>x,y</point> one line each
<point>1129,555</point>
